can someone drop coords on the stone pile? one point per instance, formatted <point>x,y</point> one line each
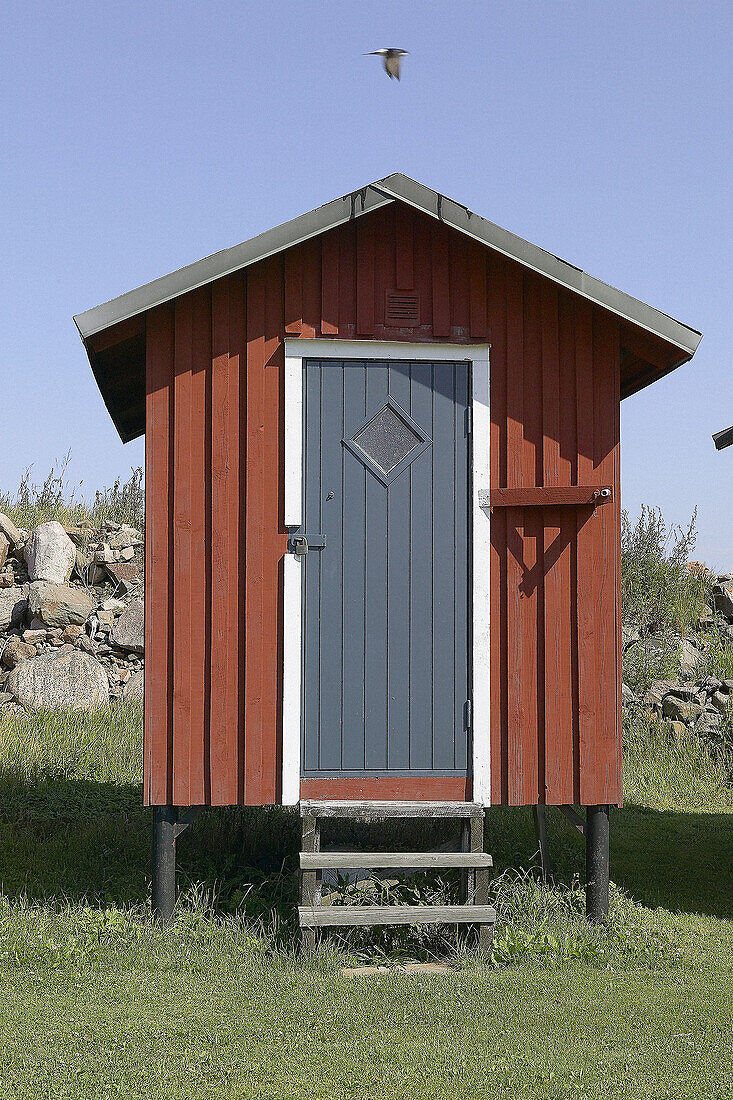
<point>71,615</point>
<point>693,701</point>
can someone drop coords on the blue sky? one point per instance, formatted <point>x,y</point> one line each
<point>139,136</point>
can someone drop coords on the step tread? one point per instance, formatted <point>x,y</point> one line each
<point>311,861</point>
<point>366,915</point>
<point>345,808</point>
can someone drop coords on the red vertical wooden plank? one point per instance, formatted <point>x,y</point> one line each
<point>532,604</point>
<point>441,281</point>
<point>330,246</point>
<point>566,789</point>
<point>311,288</point>
<point>460,308</point>
<point>200,526</point>
<point>601,778</point>
<point>182,562</point>
<point>227,305</point>
<point>617,569</point>
<point>347,280</point>
<point>498,401</point>
<point>422,245</point>
<point>365,262</point>
<point>404,218</point>
<point>294,290</point>
<point>256,482</point>
<point>384,264</point>
<point>275,541</point>
<point>516,564</point>
<point>157,747</point>
<point>479,322</point>
<point>588,564</point>
<point>559,535</point>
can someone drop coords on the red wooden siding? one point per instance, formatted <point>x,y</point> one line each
<point>215,540</point>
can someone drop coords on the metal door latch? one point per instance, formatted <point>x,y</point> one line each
<point>300,545</point>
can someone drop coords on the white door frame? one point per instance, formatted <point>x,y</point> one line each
<point>296,350</point>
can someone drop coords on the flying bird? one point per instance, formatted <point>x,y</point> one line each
<point>392,59</point>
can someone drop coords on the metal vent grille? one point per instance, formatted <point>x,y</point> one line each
<point>403,309</point>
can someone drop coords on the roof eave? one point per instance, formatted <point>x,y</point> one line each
<point>395,187</point>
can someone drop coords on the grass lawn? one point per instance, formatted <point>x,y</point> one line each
<point>98,1003</point>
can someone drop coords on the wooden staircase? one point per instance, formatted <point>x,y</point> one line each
<point>472,860</point>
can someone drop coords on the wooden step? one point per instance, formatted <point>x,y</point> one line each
<point>373,810</point>
<point>331,916</point>
<point>313,861</point>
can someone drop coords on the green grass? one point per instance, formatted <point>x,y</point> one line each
<point>97,1002</point>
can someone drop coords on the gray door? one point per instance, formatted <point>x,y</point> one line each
<point>385,601</point>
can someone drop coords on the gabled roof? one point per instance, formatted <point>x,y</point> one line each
<point>360,202</point>
<point>393,188</point>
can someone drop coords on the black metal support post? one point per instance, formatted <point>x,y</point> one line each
<point>164,861</point>
<point>597,871</point>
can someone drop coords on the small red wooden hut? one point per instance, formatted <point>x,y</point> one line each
<point>382,470</point>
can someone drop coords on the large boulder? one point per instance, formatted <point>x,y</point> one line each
<point>135,687</point>
<point>62,679</point>
<point>13,605</point>
<point>59,604</point>
<point>4,549</point>
<point>129,630</point>
<point>49,553</point>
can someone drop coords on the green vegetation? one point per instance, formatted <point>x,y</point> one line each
<point>98,1002</point>
<point>31,504</point>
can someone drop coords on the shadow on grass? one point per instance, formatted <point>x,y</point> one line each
<point>75,839</point>
<point>680,861</point>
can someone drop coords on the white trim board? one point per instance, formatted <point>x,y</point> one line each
<point>296,350</point>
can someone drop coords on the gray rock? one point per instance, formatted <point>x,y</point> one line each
<point>10,531</point>
<point>690,657</point>
<point>723,598</point>
<point>720,701</point>
<point>135,687</point>
<point>129,630</point>
<point>657,690</point>
<point>4,549</point>
<point>728,685</point>
<point>13,605</point>
<point>16,650</point>
<point>627,695</point>
<point>64,679</point>
<point>59,604</point>
<point>49,553</point>
<point>680,710</point>
<point>124,537</point>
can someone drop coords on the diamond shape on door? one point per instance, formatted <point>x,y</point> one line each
<point>388,441</point>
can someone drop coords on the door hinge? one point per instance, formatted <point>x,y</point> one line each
<point>467,714</point>
<point>469,420</point>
